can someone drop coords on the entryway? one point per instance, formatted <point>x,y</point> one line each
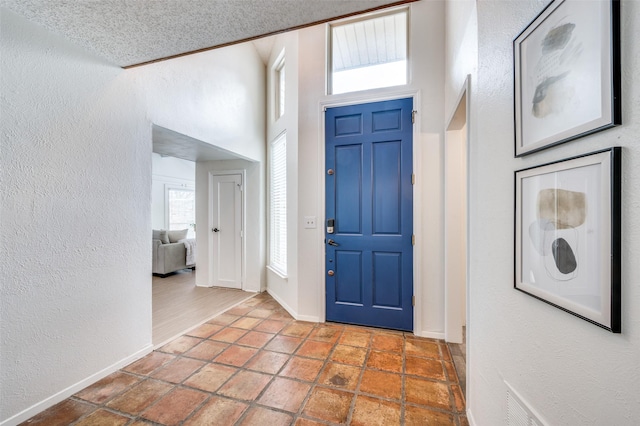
<point>456,235</point>
<point>369,211</point>
<point>179,305</point>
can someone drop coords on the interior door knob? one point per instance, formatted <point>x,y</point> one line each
<point>215,230</point>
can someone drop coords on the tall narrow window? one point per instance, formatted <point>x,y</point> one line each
<point>278,205</point>
<point>280,87</point>
<point>369,53</point>
<point>181,206</point>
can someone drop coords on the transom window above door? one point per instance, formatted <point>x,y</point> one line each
<point>368,53</point>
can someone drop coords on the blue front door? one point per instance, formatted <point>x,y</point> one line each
<point>369,197</point>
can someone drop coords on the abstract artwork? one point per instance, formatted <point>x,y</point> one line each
<point>568,235</point>
<point>567,74</point>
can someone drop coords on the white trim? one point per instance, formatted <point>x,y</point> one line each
<point>75,388</point>
<point>294,314</point>
<point>472,421</point>
<point>282,303</point>
<point>452,298</point>
<point>308,318</point>
<point>430,334</point>
<point>360,98</point>
<point>277,272</point>
<point>278,65</point>
<point>243,219</point>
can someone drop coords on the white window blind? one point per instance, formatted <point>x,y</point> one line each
<point>182,210</point>
<point>278,205</point>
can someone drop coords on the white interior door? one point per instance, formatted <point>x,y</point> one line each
<point>227,231</point>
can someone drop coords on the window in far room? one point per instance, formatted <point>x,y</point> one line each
<point>181,207</point>
<point>368,53</point>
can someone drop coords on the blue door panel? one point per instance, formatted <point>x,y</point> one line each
<point>348,125</point>
<point>370,195</point>
<point>386,187</point>
<point>348,189</point>
<point>386,120</point>
<point>349,285</point>
<point>387,268</point>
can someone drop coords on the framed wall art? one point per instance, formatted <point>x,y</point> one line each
<point>567,74</point>
<point>567,235</point>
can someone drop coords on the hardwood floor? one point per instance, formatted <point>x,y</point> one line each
<point>178,305</point>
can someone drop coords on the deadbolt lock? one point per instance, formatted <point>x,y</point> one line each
<point>330,272</point>
<point>330,172</point>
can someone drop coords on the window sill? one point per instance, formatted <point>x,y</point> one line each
<point>277,272</point>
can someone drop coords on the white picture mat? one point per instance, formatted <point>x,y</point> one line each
<point>589,293</point>
<point>588,82</point>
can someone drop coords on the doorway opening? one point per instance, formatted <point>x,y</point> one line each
<point>456,230</point>
<point>183,298</point>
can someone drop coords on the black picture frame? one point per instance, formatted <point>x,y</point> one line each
<point>568,235</point>
<point>567,81</point>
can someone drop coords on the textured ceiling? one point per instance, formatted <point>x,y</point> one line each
<point>131,32</point>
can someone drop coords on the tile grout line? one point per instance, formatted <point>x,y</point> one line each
<point>361,375</point>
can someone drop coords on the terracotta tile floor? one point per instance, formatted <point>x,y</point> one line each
<point>255,365</point>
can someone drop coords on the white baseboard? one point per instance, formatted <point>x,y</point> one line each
<point>73,389</point>
<point>282,303</point>
<point>308,318</point>
<point>294,314</point>
<point>472,421</point>
<point>431,334</point>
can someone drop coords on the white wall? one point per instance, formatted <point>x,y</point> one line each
<point>172,172</point>
<point>568,370</point>
<point>75,264</point>
<point>255,234</point>
<point>75,261</point>
<point>426,82</point>
<point>216,97</point>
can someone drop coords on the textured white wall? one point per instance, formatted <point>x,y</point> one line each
<point>167,171</point>
<point>216,97</point>
<point>254,267</point>
<point>568,370</point>
<point>75,263</point>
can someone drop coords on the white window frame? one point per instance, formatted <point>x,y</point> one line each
<point>278,206</point>
<point>279,85</point>
<point>366,17</point>
<point>183,187</point>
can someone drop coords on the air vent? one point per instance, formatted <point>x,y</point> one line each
<point>519,413</point>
